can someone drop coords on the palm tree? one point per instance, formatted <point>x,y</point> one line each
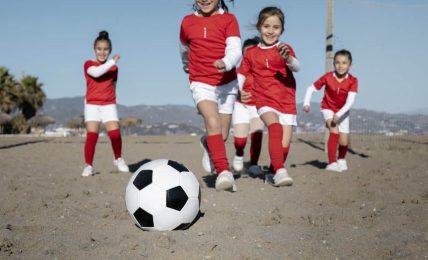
<point>31,96</point>
<point>8,91</point>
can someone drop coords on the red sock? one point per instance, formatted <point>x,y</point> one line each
<point>275,146</point>
<point>90,143</point>
<point>333,140</point>
<point>256,147</point>
<point>217,151</point>
<point>342,151</point>
<point>285,151</point>
<point>240,143</point>
<point>116,142</point>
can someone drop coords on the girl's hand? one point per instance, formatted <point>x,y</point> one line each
<point>116,57</point>
<point>221,67</point>
<point>335,119</point>
<point>284,52</point>
<point>306,109</point>
<point>245,96</point>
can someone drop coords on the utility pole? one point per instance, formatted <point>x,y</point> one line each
<point>328,55</point>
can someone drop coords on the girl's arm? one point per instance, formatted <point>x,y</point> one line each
<point>241,81</point>
<point>233,52</point>
<point>309,91</point>
<point>184,53</point>
<point>294,65</point>
<point>98,71</point>
<point>349,102</point>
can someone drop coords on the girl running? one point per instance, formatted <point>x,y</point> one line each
<point>339,96</point>
<point>210,48</point>
<point>100,103</point>
<point>245,119</point>
<point>272,65</point>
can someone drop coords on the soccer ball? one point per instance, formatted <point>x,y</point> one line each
<point>163,195</point>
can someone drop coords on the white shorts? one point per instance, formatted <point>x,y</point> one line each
<point>224,95</point>
<point>343,121</point>
<point>284,119</point>
<point>101,113</point>
<point>242,114</point>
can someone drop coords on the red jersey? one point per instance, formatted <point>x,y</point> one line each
<point>248,87</point>
<point>206,38</point>
<point>100,91</point>
<point>336,93</point>
<point>274,83</point>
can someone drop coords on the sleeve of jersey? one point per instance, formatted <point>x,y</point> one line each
<point>243,71</point>
<point>308,95</point>
<point>295,64</point>
<point>319,83</point>
<point>184,46</point>
<point>348,104</point>
<point>98,71</point>
<point>354,86</point>
<point>233,52</point>
<point>116,75</point>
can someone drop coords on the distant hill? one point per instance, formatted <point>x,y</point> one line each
<point>420,111</point>
<point>162,116</point>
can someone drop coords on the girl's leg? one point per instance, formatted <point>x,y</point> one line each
<point>275,139</point>
<point>92,128</point>
<point>332,143</point>
<point>343,145</point>
<point>256,129</point>
<point>241,133</point>
<point>286,140</point>
<point>113,131</point>
<point>215,139</point>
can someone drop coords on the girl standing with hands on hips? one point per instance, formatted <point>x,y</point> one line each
<point>100,103</point>
<point>210,48</point>
<point>272,64</point>
<point>339,96</point>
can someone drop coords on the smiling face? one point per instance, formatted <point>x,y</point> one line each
<point>207,7</point>
<point>342,64</point>
<point>270,30</point>
<point>102,50</point>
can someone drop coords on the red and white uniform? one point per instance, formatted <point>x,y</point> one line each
<point>205,40</point>
<point>100,101</point>
<point>274,83</point>
<point>336,93</point>
<point>243,113</point>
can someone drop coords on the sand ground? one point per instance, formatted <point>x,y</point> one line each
<point>376,210</point>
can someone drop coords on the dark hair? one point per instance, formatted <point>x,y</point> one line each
<point>343,53</point>
<point>103,36</point>
<point>269,11</point>
<point>250,42</point>
<point>222,5</point>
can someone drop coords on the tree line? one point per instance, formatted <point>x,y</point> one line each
<point>19,101</point>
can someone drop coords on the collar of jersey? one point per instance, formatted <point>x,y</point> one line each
<point>220,11</point>
<point>268,47</point>
<point>334,75</point>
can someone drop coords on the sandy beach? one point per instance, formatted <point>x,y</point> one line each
<point>376,210</point>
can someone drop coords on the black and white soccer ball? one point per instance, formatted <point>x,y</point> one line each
<point>163,195</point>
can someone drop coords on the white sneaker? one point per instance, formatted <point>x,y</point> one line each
<point>87,171</point>
<point>254,170</point>
<point>334,166</point>
<point>281,178</point>
<point>121,165</point>
<point>225,181</point>
<point>206,160</point>
<point>238,163</point>
<point>343,166</point>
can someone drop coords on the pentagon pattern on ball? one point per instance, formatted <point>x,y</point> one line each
<point>143,179</point>
<point>176,198</point>
<point>144,218</point>
<point>178,166</point>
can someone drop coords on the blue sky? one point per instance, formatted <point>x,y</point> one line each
<point>51,39</point>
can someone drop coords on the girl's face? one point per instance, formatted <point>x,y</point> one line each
<point>342,64</point>
<point>271,30</point>
<point>207,7</point>
<point>102,51</point>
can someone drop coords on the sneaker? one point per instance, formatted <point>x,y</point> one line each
<point>225,181</point>
<point>334,166</point>
<point>254,170</point>
<point>238,163</point>
<point>206,160</point>
<point>343,166</point>
<point>87,171</point>
<point>121,165</point>
<point>281,178</point>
